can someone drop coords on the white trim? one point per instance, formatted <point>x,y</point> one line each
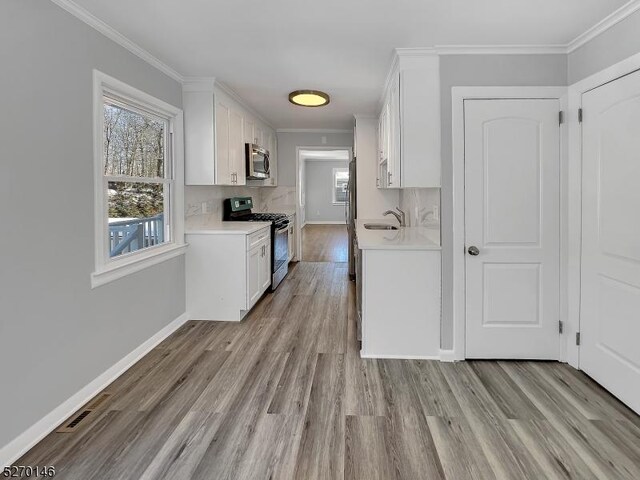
<point>447,356</point>
<point>327,222</point>
<point>234,95</point>
<point>300,225</point>
<point>458,95</point>
<point>603,25</point>
<point>108,270</point>
<point>574,196</point>
<point>501,49</point>
<point>400,357</point>
<point>34,434</point>
<point>313,130</point>
<point>144,259</point>
<point>112,34</point>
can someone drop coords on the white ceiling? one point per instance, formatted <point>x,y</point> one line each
<point>263,50</point>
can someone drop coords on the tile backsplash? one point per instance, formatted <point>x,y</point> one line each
<point>422,206</point>
<point>266,199</point>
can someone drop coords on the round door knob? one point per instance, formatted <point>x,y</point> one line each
<point>473,251</point>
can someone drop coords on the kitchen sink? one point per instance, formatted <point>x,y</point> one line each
<point>379,226</point>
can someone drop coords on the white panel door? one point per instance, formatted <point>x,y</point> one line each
<point>610,310</point>
<point>512,155</point>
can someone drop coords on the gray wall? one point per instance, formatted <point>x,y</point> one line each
<point>480,70</point>
<point>617,43</point>
<point>57,333</point>
<point>287,143</point>
<point>319,205</point>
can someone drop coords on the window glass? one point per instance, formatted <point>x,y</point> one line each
<point>135,173</point>
<point>340,183</point>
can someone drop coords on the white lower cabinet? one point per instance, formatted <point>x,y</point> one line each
<point>258,270</point>
<point>227,273</point>
<point>400,304</point>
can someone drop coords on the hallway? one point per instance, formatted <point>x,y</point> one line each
<point>325,243</point>
<point>284,394</point>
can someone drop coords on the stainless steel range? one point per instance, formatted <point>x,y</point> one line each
<point>238,209</point>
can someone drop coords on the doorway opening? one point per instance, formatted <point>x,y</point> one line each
<point>322,203</point>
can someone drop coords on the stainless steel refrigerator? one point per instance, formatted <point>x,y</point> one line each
<point>350,214</point>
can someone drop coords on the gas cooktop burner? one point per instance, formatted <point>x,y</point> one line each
<point>265,217</point>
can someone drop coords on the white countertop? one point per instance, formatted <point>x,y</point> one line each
<point>206,225</point>
<point>405,238</point>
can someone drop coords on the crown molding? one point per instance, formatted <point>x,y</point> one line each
<point>112,34</point>
<point>605,24</point>
<point>198,84</point>
<point>237,98</point>
<point>416,52</point>
<point>501,49</point>
<point>313,130</point>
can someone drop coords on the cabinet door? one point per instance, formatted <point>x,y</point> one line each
<point>393,135</point>
<point>249,127</point>
<point>265,267</point>
<point>254,281</point>
<point>223,170</point>
<point>258,135</point>
<point>273,160</point>
<point>237,163</point>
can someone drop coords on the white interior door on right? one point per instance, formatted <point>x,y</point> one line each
<point>512,231</point>
<point>610,297</point>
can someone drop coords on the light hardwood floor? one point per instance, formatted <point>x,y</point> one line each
<point>285,395</point>
<point>325,243</point>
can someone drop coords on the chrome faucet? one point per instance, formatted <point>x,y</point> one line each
<point>400,217</point>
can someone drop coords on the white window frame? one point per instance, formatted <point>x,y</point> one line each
<point>333,184</point>
<point>109,269</point>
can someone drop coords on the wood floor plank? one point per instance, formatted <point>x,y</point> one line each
<point>556,456</point>
<point>459,450</point>
<point>321,453</point>
<point>602,456</point>
<point>182,452</point>
<point>504,391</point>
<point>325,243</point>
<point>366,454</point>
<point>224,456</point>
<point>413,450</point>
<point>504,450</point>
<point>364,390</point>
<point>433,390</point>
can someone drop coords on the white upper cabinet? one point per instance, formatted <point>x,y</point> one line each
<point>217,128</point>
<point>409,123</point>
<point>249,129</point>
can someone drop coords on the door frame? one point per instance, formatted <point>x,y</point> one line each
<point>458,96</point>
<point>299,224</point>
<point>574,196</point>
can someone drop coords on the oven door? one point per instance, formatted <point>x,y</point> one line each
<point>257,162</point>
<point>280,254</point>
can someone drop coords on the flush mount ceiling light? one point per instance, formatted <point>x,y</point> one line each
<point>309,98</point>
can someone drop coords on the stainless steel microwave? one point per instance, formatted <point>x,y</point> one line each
<point>257,162</point>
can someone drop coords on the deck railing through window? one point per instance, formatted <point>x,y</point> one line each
<point>131,234</point>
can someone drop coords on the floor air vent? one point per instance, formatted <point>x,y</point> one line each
<point>74,422</point>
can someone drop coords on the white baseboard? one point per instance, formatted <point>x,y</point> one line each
<point>26,440</point>
<point>448,356</point>
<point>327,222</point>
<point>401,357</point>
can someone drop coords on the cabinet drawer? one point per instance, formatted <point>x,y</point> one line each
<point>258,237</point>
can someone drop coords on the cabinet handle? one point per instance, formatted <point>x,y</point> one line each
<point>388,178</point>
